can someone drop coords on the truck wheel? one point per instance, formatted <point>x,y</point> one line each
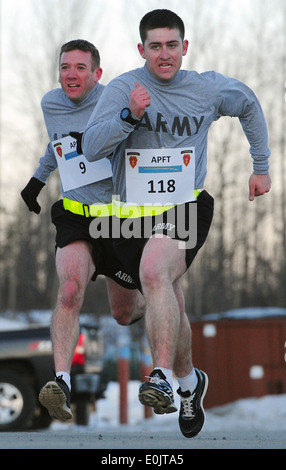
<point>17,403</point>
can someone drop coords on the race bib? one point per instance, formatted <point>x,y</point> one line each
<point>75,170</point>
<point>162,176</point>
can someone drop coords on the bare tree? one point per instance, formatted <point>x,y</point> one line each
<point>243,260</point>
<point>236,267</point>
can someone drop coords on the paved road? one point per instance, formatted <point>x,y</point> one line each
<point>110,440</point>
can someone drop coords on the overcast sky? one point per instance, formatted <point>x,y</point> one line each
<point>119,23</point>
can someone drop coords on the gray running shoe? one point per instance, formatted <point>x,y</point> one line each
<point>157,393</point>
<point>55,396</point>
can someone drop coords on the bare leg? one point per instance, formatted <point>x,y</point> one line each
<point>161,266</point>
<point>74,267</point>
<point>183,360</point>
<point>169,335</point>
<point>127,305</point>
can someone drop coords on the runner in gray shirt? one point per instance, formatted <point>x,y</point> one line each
<point>142,116</point>
<point>79,257</point>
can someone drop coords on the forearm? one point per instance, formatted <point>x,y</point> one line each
<point>260,165</point>
<point>47,164</point>
<point>101,138</point>
<point>256,132</point>
<point>238,100</point>
<point>105,129</point>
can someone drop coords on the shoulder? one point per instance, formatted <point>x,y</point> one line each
<point>52,98</point>
<point>222,81</point>
<point>205,84</point>
<point>210,77</point>
<point>217,84</point>
<point>127,78</point>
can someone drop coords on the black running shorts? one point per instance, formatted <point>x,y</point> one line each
<point>129,251</point>
<point>72,227</point>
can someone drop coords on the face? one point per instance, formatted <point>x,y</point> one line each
<point>163,51</point>
<point>76,76</point>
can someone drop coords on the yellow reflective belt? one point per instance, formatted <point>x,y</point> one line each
<point>133,212</point>
<point>121,210</point>
<point>197,192</point>
<point>92,210</point>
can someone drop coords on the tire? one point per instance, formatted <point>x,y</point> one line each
<point>17,403</point>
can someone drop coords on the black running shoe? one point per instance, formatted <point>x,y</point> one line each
<point>157,393</point>
<point>55,396</point>
<point>192,415</point>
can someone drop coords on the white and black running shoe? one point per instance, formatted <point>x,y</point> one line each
<point>192,415</point>
<point>157,393</point>
<point>55,396</point>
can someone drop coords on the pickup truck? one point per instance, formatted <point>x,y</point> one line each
<point>26,364</point>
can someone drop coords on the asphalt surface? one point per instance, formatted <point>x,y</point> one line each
<point>147,441</point>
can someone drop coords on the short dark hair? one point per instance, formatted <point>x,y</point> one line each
<point>84,46</point>
<point>160,19</point>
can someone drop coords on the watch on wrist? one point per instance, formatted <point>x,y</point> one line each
<point>126,115</point>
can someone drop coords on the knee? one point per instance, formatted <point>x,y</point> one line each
<point>126,317</point>
<point>151,277</point>
<point>70,293</point>
<point>122,316</point>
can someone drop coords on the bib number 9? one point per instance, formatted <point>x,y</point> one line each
<point>82,167</point>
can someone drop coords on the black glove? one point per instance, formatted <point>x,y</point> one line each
<point>78,137</point>
<point>30,194</point>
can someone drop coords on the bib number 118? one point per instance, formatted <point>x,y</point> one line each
<point>162,186</point>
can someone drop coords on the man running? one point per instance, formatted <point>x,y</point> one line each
<point>156,120</point>
<point>79,257</point>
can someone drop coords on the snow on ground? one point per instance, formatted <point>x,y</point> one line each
<point>267,413</point>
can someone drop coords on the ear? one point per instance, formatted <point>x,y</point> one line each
<point>185,46</point>
<point>140,48</point>
<point>97,74</point>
